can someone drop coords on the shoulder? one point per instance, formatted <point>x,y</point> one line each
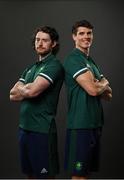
<point>55,62</point>
<point>72,58</point>
<point>55,66</point>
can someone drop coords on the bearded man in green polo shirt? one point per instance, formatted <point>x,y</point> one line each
<point>86,86</point>
<point>38,91</point>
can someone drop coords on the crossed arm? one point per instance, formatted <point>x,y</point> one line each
<point>93,86</point>
<point>21,90</point>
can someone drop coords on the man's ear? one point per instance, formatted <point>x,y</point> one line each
<point>74,37</point>
<point>54,44</point>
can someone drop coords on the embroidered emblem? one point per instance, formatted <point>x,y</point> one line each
<point>29,71</point>
<point>88,65</point>
<point>43,171</point>
<point>78,166</point>
<point>42,68</point>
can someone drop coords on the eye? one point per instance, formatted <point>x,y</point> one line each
<point>45,40</point>
<point>89,33</point>
<point>37,39</point>
<point>81,33</point>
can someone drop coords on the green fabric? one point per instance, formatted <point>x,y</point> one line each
<point>84,111</point>
<point>37,113</point>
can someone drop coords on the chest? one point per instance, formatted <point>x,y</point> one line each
<point>33,72</point>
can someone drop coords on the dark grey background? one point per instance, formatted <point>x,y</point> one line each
<point>18,19</point>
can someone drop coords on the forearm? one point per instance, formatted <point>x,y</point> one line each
<point>21,91</point>
<point>15,94</point>
<point>27,90</point>
<point>101,86</point>
<point>16,97</point>
<point>107,95</point>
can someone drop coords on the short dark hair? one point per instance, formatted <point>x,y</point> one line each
<point>53,35</point>
<point>82,23</point>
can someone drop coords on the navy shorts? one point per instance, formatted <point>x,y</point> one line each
<point>38,154</point>
<point>82,151</point>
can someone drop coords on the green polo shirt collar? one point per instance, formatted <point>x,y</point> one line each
<point>45,59</point>
<point>79,52</point>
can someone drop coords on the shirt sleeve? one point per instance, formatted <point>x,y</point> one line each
<point>22,77</point>
<point>75,67</point>
<point>51,72</point>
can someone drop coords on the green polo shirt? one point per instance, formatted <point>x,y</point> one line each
<point>84,111</point>
<point>36,114</point>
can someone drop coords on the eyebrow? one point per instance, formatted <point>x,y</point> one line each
<point>82,32</point>
<point>41,38</point>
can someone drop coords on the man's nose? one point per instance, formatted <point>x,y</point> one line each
<point>40,42</point>
<point>86,35</point>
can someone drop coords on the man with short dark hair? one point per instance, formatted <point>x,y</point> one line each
<point>38,90</point>
<point>85,87</point>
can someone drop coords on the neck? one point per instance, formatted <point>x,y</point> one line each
<point>41,57</point>
<point>85,51</point>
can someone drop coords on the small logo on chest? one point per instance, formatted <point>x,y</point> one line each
<point>88,66</point>
<point>29,71</point>
<point>41,68</point>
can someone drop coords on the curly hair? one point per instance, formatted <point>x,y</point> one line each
<point>53,35</point>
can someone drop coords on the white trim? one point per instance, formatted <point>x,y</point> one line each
<point>81,70</point>
<point>21,79</point>
<point>43,58</point>
<point>44,75</point>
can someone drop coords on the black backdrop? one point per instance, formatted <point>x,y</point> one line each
<point>18,19</point>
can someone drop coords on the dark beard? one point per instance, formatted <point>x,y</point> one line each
<point>44,54</point>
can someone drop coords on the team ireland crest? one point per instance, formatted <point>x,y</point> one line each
<point>78,165</point>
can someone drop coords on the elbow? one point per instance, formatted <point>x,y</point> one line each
<point>15,98</point>
<point>110,96</point>
<point>93,93</point>
<point>12,98</point>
